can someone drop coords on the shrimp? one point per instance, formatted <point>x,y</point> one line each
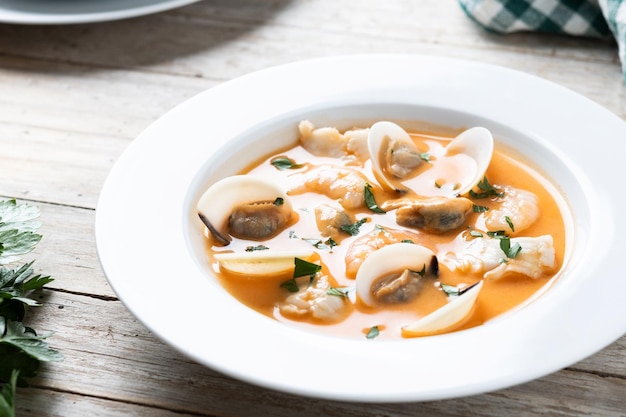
<point>330,219</point>
<point>518,210</point>
<point>484,255</point>
<point>351,146</point>
<point>315,301</point>
<point>324,141</point>
<point>345,185</point>
<point>376,239</point>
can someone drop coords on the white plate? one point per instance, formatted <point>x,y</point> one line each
<point>150,243</point>
<point>80,11</point>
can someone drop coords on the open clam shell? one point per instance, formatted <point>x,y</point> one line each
<point>478,144</point>
<point>217,204</point>
<point>262,264</point>
<point>447,317</point>
<point>393,154</point>
<point>390,259</point>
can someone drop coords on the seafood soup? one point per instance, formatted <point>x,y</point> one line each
<point>379,232</point>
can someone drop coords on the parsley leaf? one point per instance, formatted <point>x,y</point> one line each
<point>480,209</point>
<point>255,248</point>
<point>339,291</point>
<point>283,163</point>
<point>370,201</point>
<point>510,223</point>
<point>353,229</point>
<point>425,156</point>
<point>373,332</point>
<point>511,251</point>
<point>302,268</point>
<point>487,189</point>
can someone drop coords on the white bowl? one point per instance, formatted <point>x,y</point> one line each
<point>151,246</point>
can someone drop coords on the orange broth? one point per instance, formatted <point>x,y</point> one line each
<point>496,297</point>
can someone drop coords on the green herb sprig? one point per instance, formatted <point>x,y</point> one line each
<point>22,350</point>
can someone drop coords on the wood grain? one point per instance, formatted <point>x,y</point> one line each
<point>73,97</point>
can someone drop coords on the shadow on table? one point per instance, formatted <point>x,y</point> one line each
<point>154,40</point>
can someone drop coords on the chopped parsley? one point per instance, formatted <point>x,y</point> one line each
<point>327,244</point>
<point>339,291</point>
<point>373,332</point>
<point>279,201</point>
<point>353,229</point>
<point>370,201</point>
<point>511,251</point>
<point>255,248</point>
<point>302,269</point>
<point>283,163</point>
<point>479,209</point>
<point>487,190</point>
<point>425,156</point>
<point>452,290</point>
<point>510,223</point>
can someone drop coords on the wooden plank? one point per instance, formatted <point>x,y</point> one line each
<point>88,100</point>
<point>109,355</point>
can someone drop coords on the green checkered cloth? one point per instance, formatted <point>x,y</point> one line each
<point>595,18</point>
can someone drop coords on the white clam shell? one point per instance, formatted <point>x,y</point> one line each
<point>453,313</point>
<point>218,202</point>
<point>390,258</point>
<point>377,140</point>
<point>261,264</point>
<point>478,144</point>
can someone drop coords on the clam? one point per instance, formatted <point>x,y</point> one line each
<point>263,263</point>
<point>477,144</point>
<point>246,207</point>
<point>447,317</point>
<point>455,171</point>
<point>393,154</point>
<point>393,273</point>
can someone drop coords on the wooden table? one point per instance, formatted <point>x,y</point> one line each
<point>73,97</point>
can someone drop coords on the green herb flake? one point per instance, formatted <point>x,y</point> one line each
<point>373,332</point>
<point>425,156</point>
<point>487,190</point>
<point>279,201</point>
<point>475,233</point>
<point>256,248</point>
<point>511,251</point>
<point>293,235</point>
<point>510,223</point>
<point>284,163</point>
<point>339,291</point>
<point>290,285</point>
<point>353,229</point>
<point>304,268</point>
<point>449,289</point>
<point>370,201</point>
<point>479,209</point>
<point>407,241</point>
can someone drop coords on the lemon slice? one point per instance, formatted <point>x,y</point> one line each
<point>262,263</point>
<point>446,317</point>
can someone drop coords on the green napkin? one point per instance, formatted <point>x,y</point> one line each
<point>595,18</point>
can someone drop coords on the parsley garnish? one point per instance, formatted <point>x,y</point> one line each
<point>425,156</point>
<point>339,292</point>
<point>255,248</point>
<point>279,201</point>
<point>406,241</point>
<point>475,233</point>
<point>285,163</point>
<point>488,190</point>
<point>510,223</point>
<point>370,201</point>
<point>302,269</point>
<point>327,244</point>
<point>305,268</point>
<point>373,332</point>
<point>480,209</point>
<point>452,290</point>
<point>511,251</point>
<point>353,229</point>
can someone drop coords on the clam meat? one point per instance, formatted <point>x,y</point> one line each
<point>451,171</point>
<point>431,214</point>
<point>245,207</point>
<point>394,273</point>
